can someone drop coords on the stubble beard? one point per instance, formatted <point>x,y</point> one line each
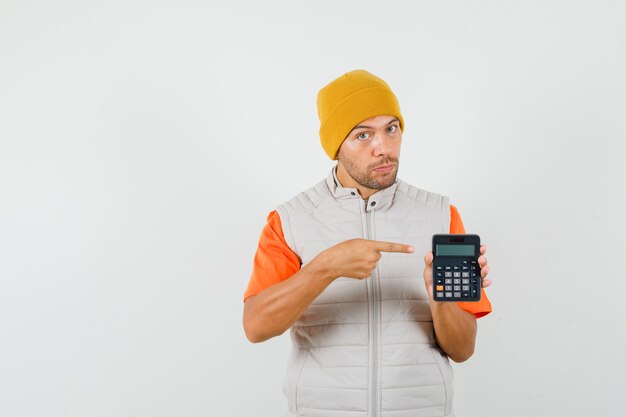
<point>365,177</point>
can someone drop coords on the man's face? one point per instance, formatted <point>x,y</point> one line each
<point>369,154</point>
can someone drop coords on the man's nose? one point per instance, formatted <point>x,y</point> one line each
<point>381,144</point>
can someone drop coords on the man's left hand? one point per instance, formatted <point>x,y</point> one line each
<point>428,270</point>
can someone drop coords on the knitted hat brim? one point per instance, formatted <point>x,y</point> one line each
<point>362,105</point>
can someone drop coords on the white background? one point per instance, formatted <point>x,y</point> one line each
<point>143,143</point>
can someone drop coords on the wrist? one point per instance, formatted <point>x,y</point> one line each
<point>439,308</point>
<point>320,268</point>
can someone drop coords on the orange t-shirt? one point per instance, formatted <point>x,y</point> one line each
<point>275,261</point>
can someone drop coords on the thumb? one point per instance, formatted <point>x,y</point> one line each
<point>428,258</point>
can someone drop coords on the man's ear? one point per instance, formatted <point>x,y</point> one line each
<point>338,157</point>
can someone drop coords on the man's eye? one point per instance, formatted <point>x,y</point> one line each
<point>363,136</point>
<point>392,128</point>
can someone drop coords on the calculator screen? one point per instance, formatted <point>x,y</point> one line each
<point>455,250</point>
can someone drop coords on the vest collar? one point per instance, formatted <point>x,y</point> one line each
<point>381,199</point>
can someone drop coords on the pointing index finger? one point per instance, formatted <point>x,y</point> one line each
<point>392,247</point>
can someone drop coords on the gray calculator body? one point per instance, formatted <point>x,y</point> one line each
<point>456,273</point>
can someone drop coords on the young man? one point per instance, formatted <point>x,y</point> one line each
<point>340,265</point>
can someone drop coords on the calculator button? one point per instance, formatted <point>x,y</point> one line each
<point>474,262</point>
<point>465,281</point>
<point>448,274</point>
<point>465,288</point>
<point>448,295</point>
<point>448,288</point>
<point>474,281</point>
<point>457,294</point>
<point>456,275</point>
<point>457,288</point>
<point>473,274</point>
<point>439,268</point>
<point>439,288</point>
<point>464,262</point>
<point>465,295</point>
<point>456,281</point>
<point>439,274</point>
<point>439,295</point>
<point>457,268</point>
<point>465,268</point>
<point>473,267</point>
<point>448,280</point>
<point>465,274</point>
<point>448,268</point>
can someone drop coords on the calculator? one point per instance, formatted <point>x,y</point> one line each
<point>456,273</point>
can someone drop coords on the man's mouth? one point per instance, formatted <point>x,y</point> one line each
<point>384,168</point>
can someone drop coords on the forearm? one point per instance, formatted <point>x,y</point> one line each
<point>275,309</point>
<point>455,330</point>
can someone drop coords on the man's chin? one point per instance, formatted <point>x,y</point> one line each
<point>384,180</point>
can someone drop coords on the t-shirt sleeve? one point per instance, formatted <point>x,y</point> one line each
<point>482,307</point>
<point>274,260</point>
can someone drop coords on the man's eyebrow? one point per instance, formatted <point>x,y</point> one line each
<point>395,119</point>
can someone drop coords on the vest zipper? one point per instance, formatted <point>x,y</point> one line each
<point>373,323</point>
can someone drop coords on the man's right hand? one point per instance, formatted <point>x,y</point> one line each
<point>356,258</point>
<point>276,308</point>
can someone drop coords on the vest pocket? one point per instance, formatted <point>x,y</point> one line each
<point>445,369</point>
<point>292,378</point>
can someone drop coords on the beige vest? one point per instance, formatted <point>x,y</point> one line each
<point>366,348</point>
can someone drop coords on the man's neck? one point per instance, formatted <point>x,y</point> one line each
<point>347,181</point>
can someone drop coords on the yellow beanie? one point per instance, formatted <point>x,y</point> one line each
<point>345,102</point>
